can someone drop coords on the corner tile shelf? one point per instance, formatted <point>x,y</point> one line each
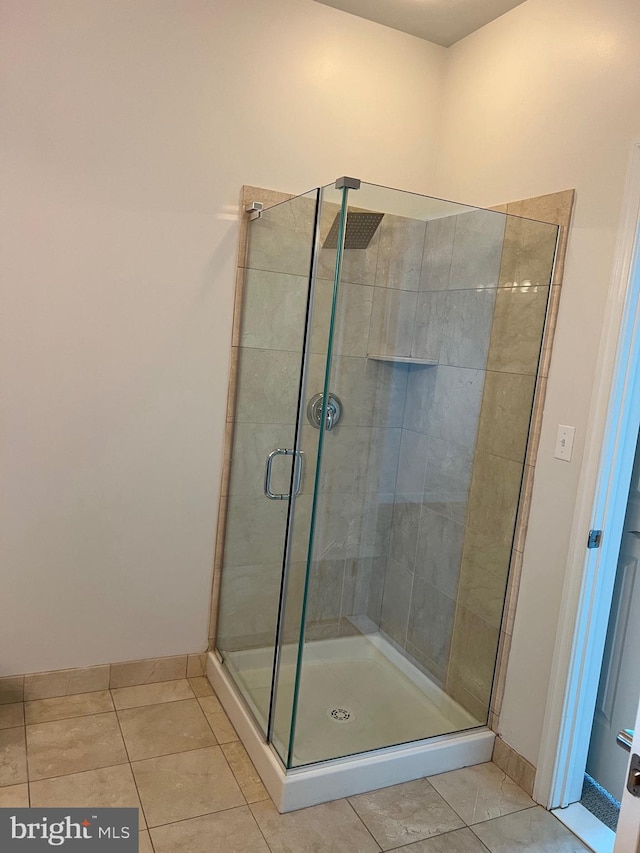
<point>403,359</point>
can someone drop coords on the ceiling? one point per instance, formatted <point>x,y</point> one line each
<point>441,21</point>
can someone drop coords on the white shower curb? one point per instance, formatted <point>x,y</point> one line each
<point>344,777</point>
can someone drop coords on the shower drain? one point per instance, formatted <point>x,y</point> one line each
<point>340,715</point>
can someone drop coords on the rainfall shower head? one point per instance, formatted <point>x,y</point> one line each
<point>361,226</point>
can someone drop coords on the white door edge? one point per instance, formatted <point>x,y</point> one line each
<point>602,493</point>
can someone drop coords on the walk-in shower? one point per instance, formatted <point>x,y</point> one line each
<point>384,373</point>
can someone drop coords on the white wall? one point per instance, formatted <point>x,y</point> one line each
<point>546,98</point>
<point>127,131</point>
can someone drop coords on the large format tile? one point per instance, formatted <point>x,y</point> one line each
<point>431,622</point>
<point>473,653</point>
<point>14,797</point>
<point>282,237</point>
<point>64,707</point>
<point>480,793</point>
<point>13,759</point>
<point>162,729</point>
<point>331,826</point>
<point>70,746</point>
<point>439,551</point>
<point>396,600</point>
<point>11,715</point>
<point>352,318</point>
<point>505,415</point>
<point>151,694</point>
<point>403,813</point>
<point>392,321</point>
<point>185,785</point>
<point>43,685</point>
<point>438,251</point>
<point>459,841</point>
<point>466,327</point>
<point>530,831</point>
<point>477,249</point>
<point>232,831</point>
<point>107,787</point>
<point>516,334</point>
<point>273,310</point>
<point>268,383</point>
<point>455,411</point>
<point>400,252</point>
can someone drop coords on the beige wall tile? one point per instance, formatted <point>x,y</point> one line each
<point>13,756</point>
<point>497,696</point>
<point>475,706</point>
<point>473,653</point>
<point>11,715</point>
<point>196,665</point>
<point>273,310</point>
<point>528,252</point>
<point>483,591</point>
<point>516,332</point>
<point>64,707</point>
<point>493,499</point>
<point>513,588</point>
<point>514,765</point>
<point>11,689</point>
<point>64,682</point>
<point>553,207</point>
<point>248,195</point>
<point>280,240</point>
<point>506,413</point>
<point>151,694</point>
<point>148,671</point>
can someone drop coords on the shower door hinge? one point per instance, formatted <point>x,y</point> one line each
<point>595,538</point>
<point>254,209</point>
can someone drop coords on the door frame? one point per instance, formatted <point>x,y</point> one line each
<point>611,437</point>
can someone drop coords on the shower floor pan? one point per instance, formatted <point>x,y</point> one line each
<point>357,695</point>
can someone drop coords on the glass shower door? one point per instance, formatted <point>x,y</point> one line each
<point>265,469</point>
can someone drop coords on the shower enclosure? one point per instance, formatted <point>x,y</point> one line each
<point>386,366</point>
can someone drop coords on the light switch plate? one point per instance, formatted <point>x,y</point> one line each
<point>564,442</point>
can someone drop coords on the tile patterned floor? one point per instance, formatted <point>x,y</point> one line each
<point>169,749</point>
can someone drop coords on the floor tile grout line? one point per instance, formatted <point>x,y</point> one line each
<point>133,776</point>
<point>348,801</point>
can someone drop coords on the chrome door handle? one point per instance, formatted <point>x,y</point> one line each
<point>625,739</point>
<point>297,476</point>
